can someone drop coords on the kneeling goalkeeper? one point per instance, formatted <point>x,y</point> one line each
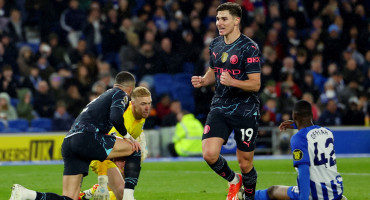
<point>129,167</point>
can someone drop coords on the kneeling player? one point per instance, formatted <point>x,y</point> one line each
<point>134,119</point>
<point>313,156</point>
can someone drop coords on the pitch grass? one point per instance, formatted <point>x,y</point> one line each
<point>187,180</point>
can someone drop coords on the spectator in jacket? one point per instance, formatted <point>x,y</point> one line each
<point>187,139</point>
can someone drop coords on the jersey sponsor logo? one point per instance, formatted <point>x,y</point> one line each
<point>297,154</point>
<point>234,59</point>
<point>224,56</point>
<point>206,130</point>
<point>214,54</point>
<point>233,72</point>
<point>125,100</point>
<point>253,60</point>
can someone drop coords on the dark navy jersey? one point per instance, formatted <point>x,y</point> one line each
<point>240,58</point>
<point>102,113</point>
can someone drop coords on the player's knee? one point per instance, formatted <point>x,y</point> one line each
<point>245,165</point>
<point>210,157</point>
<point>271,191</point>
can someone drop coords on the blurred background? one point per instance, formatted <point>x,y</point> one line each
<point>57,55</point>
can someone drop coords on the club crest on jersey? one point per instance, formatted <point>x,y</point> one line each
<point>206,130</point>
<point>234,59</point>
<point>224,56</point>
<point>297,154</point>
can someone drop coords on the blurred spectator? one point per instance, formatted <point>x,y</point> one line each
<point>309,86</point>
<point>92,30</point>
<point>44,102</point>
<point>268,92</point>
<point>287,81</point>
<point>25,59</point>
<point>171,118</point>
<point>353,115</point>
<point>315,109</point>
<point>187,138</point>
<point>32,80</point>
<point>286,101</point>
<point>328,94</point>
<point>7,111</point>
<point>45,68</point>
<point>331,115</point>
<point>172,61</point>
<point>163,106</point>
<point>351,72</point>
<point>270,106</point>
<point>9,53</point>
<point>8,82</point>
<point>318,78</point>
<point>129,54</point>
<point>15,27</point>
<point>273,41</point>
<point>149,62</point>
<point>62,120</point>
<point>98,88</point>
<point>72,21</point>
<point>269,54</point>
<point>333,44</point>
<point>75,54</point>
<point>56,57</point>
<point>367,80</point>
<point>75,102</point>
<point>56,86</point>
<point>83,79</point>
<point>24,107</point>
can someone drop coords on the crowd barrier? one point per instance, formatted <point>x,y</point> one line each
<point>47,146</point>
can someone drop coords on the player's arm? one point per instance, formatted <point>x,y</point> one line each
<point>253,83</point>
<point>304,181</point>
<point>118,107</point>
<point>207,79</point>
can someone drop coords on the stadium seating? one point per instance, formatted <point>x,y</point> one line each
<point>189,67</point>
<point>163,83</point>
<point>20,124</point>
<point>43,123</point>
<point>182,90</point>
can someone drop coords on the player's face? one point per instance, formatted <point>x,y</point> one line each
<point>225,22</point>
<point>142,106</point>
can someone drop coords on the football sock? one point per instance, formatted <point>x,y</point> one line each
<point>249,182</point>
<point>102,168</point>
<point>132,170</point>
<point>222,168</point>
<point>128,194</point>
<point>261,195</point>
<point>50,196</point>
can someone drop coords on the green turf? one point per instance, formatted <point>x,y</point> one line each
<point>187,180</point>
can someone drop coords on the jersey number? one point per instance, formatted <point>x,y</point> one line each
<point>248,133</point>
<point>323,160</point>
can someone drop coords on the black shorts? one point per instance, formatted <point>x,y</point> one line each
<point>220,125</point>
<point>80,149</point>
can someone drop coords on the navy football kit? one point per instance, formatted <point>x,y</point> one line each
<point>87,139</point>
<point>233,108</point>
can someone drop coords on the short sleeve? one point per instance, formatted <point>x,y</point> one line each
<point>253,59</point>
<point>299,148</point>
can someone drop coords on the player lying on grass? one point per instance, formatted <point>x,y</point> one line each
<point>314,158</point>
<point>134,119</point>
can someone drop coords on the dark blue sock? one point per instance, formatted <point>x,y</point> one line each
<point>50,196</point>
<point>132,170</point>
<point>249,183</point>
<point>222,169</point>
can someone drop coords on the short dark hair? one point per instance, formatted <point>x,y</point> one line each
<point>302,109</point>
<point>126,79</point>
<point>233,8</point>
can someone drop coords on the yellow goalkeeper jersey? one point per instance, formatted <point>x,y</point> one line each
<point>134,127</point>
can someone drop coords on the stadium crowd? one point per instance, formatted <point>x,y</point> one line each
<point>57,55</point>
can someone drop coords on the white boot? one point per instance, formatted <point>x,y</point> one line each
<point>21,193</point>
